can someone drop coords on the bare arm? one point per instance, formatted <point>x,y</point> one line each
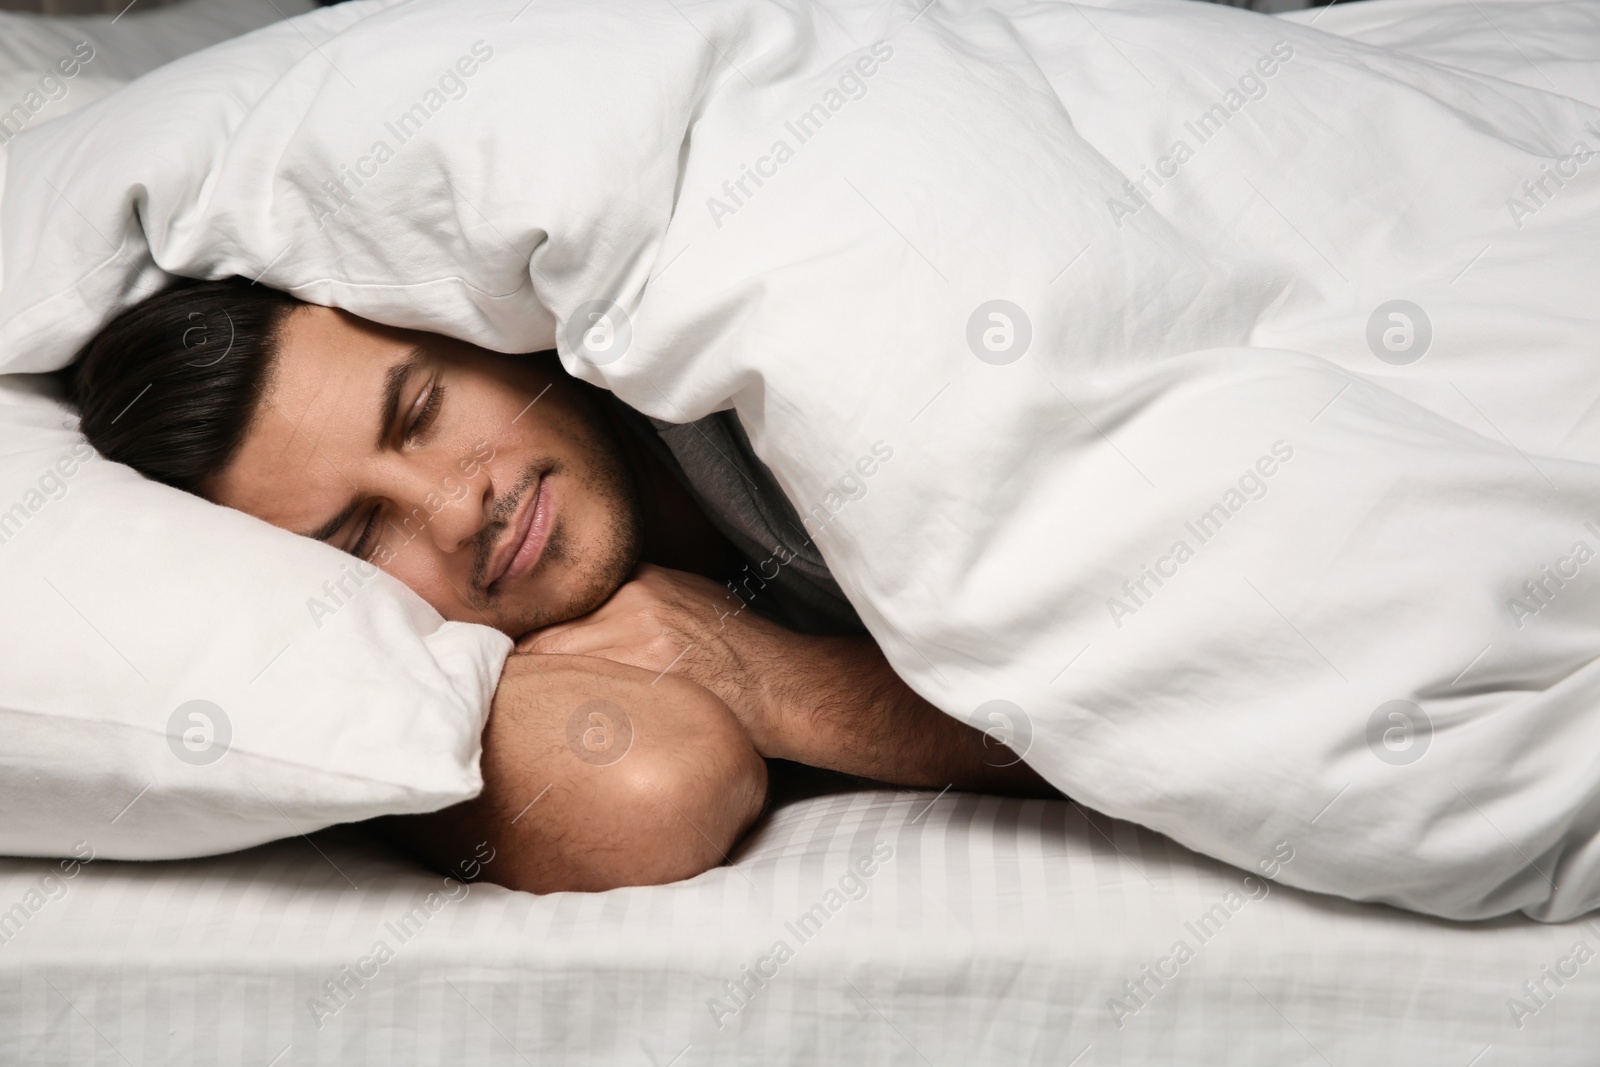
<point>595,776</point>
<point>831,702</point>
<point>835,702</point>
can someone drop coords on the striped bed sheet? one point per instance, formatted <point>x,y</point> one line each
<point>876,927</point>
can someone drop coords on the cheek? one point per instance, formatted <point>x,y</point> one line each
<point>486,427</point>
<point>514,404</point>
<point>423,571</point>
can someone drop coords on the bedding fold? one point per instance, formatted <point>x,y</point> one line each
<point>1202,401</point>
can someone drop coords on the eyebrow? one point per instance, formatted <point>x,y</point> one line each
<point>394,383</point>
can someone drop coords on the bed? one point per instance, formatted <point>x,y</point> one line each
<point>989,931</point>
<point>854,925</point>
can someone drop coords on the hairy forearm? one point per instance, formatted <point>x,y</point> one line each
<point>837,704</point>
<point>829,702</point>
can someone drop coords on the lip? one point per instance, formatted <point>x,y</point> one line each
<point>523,548</point>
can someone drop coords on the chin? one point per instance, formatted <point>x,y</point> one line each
<point>553,597</point>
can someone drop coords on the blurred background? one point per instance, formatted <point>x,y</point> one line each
<point>117,7</point>
<point>117,41</point>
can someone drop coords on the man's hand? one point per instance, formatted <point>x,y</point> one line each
<point>831,702</point>
<point>672,622</point>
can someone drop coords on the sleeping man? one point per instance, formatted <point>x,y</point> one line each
<point>674,622</point>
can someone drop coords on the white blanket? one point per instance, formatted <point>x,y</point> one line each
<point>1216,392</point>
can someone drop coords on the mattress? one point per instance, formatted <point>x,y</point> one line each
<point>878,927</point>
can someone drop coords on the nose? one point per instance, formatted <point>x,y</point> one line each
<point>441,504</point>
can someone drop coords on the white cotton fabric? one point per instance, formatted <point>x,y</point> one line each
<point>169,690</point>
<point>1219,339</point>
<point>996,932</point>
<point>166,689</point>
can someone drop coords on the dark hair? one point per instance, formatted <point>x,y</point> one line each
<point>170,386</point>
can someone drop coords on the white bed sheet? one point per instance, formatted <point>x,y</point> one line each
<point>998,932</point>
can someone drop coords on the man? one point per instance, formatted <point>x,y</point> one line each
<point>505,492</point>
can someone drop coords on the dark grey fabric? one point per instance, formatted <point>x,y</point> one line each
<point>785,577</point>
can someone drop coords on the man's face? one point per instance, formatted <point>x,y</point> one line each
<point>489,485</point>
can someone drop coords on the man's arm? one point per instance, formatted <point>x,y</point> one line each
<point>835,702</point>
<point>596,775</point>
<point>831,702</point>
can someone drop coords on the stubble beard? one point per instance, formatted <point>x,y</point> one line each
<point>604,563</point>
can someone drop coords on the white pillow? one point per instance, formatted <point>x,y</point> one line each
<point>158,700</point>
<point>32,97</point>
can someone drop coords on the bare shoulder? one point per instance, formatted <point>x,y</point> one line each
<point>596,775</point>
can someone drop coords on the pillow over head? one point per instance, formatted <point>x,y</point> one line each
<point>178,679</point>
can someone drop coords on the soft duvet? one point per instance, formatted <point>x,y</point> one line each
<point>1203,402</point>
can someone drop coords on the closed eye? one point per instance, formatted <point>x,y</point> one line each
<point>425,417</point>
<point>364,544</point>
